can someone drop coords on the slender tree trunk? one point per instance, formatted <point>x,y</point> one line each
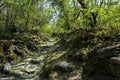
<point>93,18</point>
<point>7,19</point>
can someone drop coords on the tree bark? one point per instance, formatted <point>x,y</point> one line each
<point>93,17</point>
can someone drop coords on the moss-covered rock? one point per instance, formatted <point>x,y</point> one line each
<point>114,66</point>
<point>64,66</point>
<point>81,55</point>
<point>107,59</point>
<point>53,76</point>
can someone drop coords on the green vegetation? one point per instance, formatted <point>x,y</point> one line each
<point>80,28</point>
<point>23,16</point>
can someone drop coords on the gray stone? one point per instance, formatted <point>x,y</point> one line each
<point>107,59</point>
<point>110,66</point>
<point>107,52</point>
<point>7,67</point>
<point>114,66</point>
<point>64,66</point>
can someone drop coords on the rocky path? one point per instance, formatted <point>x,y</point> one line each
<point>29,67</point>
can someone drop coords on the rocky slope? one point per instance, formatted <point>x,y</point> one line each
<point>55,62</point>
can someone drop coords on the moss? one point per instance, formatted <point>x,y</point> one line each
<point>1,49</point>
<point>12,55</point>
<point>53,75</point>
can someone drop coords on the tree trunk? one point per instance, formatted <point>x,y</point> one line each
<point>93,17</point>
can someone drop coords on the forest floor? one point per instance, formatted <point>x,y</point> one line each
<point>26,68</point>
<point>33,67</point>
<point>51,63</point>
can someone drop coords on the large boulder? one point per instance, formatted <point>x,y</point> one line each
<point>107,59</point>
<point>114,66</point>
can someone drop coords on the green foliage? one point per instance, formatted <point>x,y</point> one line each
<point>21,15</point>
<point>71,19</point>
<point>45,30</point>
